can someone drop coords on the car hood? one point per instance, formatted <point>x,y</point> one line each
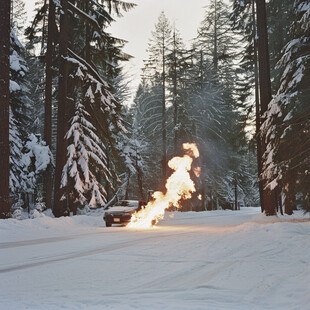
<point>120,209</point>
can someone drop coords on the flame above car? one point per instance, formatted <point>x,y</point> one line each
<point>179,186</point>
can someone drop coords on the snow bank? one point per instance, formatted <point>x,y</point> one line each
<point>45,226</point>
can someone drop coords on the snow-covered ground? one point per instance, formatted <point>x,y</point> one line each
<point>210,260</point>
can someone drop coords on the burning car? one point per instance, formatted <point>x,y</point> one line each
<point>179,186</point>
<point>121,212</point>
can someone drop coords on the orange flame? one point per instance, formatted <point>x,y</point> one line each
<point>179,186</point>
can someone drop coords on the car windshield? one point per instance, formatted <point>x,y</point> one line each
<point>127,203</point>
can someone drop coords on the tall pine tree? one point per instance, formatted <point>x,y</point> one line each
<point>5,30</point>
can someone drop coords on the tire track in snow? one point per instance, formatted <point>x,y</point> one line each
<point>105,249</point>
<point>15,244</point>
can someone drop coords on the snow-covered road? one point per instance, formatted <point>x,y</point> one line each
<point>211,260</point>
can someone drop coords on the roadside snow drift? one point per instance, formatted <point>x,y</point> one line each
<point>210,260</point>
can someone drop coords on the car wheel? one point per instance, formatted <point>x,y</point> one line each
<point>107,224</point>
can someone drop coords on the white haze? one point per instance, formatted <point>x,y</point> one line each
<point>136,26</point>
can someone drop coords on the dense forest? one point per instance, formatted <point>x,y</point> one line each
<point>71,140</point>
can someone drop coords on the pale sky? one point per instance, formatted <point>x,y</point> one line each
<point>137,24</point>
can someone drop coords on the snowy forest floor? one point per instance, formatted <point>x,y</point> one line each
<point>209,260</point>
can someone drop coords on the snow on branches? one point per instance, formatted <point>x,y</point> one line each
<point>96,114</point>
<point>29,156</point>
<point>85,160</point>
<point>287,120</point>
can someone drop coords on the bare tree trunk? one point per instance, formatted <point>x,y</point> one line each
<point>48,181</point>
<point>127,186</point>
<point>279,199</point>
<point>257,108</point>
<point>5,7</point>
<point>140,183</point>
<point>164,131</point>
<point>107,187</point>
<point>139,178</point>
<point>49,74</point>
<point>61,116</point>
<point>290,198</point>
<point>236,193</point>
<point>175,105</point>
<point>269,198</point>
<point>203,196</point>
<point>75,204</point>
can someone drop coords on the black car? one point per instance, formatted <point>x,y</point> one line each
<point>121,212</point>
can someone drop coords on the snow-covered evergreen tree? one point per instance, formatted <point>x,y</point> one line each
<point>212,126</point>
<point>217,40</point>
<point>19,102</point>
<point>86,158</point>
<point>19,85</point>
<point>17,166</point>
<point>147,112</point>
<point>90,79</point>
<point>280,13</point>
<point>86,171</point>
<point>177,67</point>
<point>134,149</point>
<point>29,156</point>
<point>287,123</point>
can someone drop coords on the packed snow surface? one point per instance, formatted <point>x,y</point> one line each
<point>210,260</point>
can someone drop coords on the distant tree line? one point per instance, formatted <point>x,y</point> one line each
<point>248,67</point>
